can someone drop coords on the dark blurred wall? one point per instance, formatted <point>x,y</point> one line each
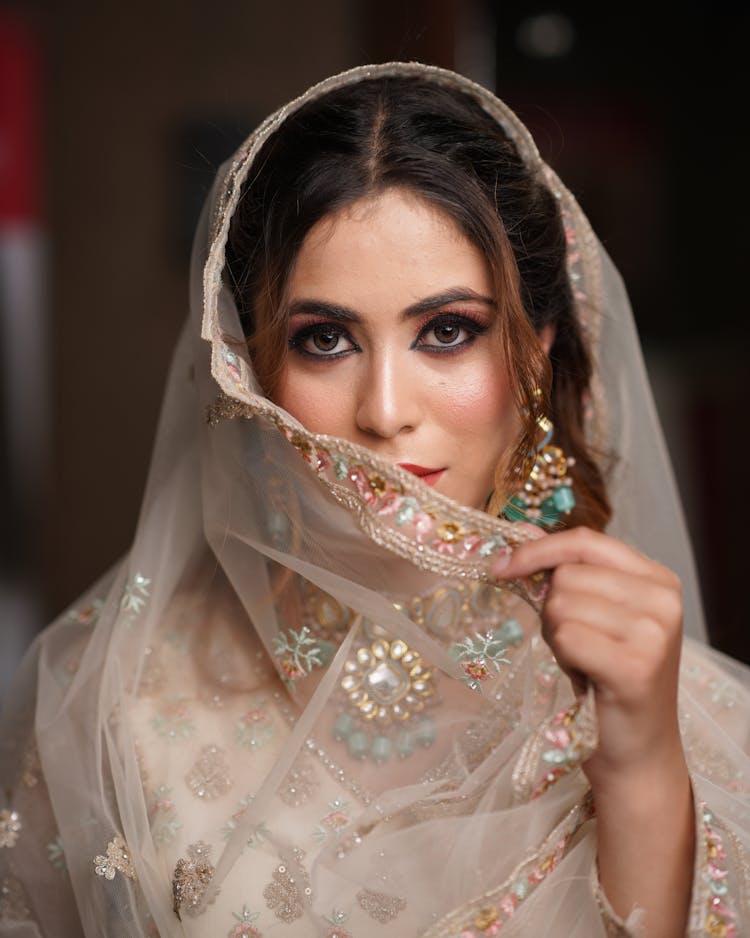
<point>127,87</point>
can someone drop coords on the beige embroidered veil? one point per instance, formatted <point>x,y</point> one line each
<point>298,707</point>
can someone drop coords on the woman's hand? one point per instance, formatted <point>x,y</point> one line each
<point>613,617</point>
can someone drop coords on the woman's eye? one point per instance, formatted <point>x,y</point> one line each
<point>321,341</point>
<point>450,333</point>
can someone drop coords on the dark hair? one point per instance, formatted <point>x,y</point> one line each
<point>439,143</point>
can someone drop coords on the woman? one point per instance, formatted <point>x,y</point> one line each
<point>345,684</point>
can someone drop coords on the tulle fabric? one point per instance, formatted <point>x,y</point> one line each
<point>188,751</point>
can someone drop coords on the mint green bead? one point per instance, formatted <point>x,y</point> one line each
<point>381,748</point>
<point>343,726</point>
<point>564,499</point>
<point>359,745</point>
<point>327,651</point>
<point>424,733</point>
<point>404,744</point>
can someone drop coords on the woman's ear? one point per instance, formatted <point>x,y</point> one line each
<point>546,336</point>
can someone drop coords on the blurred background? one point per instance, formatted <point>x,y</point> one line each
<point>113,119</point>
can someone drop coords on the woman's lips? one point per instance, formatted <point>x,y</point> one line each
<point>430,476</point>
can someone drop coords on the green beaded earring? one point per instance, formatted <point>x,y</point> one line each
<point>548,492</point>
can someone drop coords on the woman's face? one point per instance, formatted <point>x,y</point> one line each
<point>392,343</point>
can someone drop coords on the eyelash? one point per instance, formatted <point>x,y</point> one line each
<point>472,326</point>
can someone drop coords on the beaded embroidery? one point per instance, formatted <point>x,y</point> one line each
<point>289,889</point>
<point>299,785</point>
<point>492,910</point>
<point>208,778</point>
<point>10,827</point>
<point>191,883</point>
<point>116,860</point>
<point>380,906</point>
<point>720,920</point>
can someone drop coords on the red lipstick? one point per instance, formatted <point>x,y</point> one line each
<point>430,476</point>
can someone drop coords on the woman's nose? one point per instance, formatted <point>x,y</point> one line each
<point>386,404</point>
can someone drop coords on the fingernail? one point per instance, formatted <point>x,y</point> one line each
<point>501,563</point>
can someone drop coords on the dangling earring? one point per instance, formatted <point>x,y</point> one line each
<point>548,492</point>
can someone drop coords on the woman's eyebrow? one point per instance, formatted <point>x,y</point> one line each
<point>453,295</point>
<point>344,314</point>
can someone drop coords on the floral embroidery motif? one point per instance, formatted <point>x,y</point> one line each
<point>86,615</point>
<point>173,721</point>
<point>117,860</point>
<point>245,928</point>
<point>299,785</point>
<point>56,854</point>
<point>10,827</point>
<point>255,728</point>
<point>135,594</point>
<point>289,889</point>
<point>380,906</point>
<point>208,778</point>
<point>569,745</point>
<point>720,921</point>
<point>480,656</point>
<point>163,816</point>
<point>191,883</point>
<point>298,654</point>
<point>337,919</point>
<point>334,822</point>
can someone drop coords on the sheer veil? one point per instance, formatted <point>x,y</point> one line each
<point>299,706</point>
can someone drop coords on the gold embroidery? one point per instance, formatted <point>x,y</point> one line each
<point>380,906</point>
<point>289,889</point>
<point>116,860</point>
<point>191,883</point>
<point>10,827</point>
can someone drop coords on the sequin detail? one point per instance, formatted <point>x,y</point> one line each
<point>289,889</point>
<point>298,653</point>
<point>10,827</point>
<point>380,906</point>
<point>720,920</point>
<point>208,778</point>
<point>245,927</point>
<point>116,860</point>
<point>191,883</point>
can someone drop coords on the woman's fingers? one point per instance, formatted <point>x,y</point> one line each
<point>634,594</point>
<point>582,546</point>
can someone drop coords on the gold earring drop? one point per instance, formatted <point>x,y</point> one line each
<point>548,491</point>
